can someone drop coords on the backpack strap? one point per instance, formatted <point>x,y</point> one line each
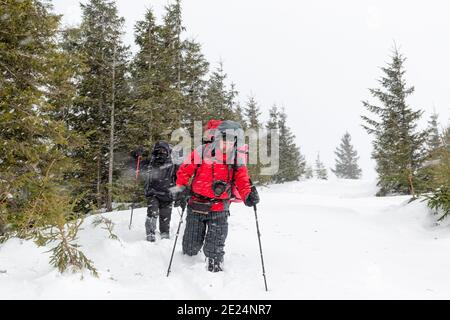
<point>202,147</point>
<point>233,167</point>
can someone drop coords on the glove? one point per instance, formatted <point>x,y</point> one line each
<point>177,193</point>
<point>150,192</point>
<point>180,203</point>
<point>252,198</point>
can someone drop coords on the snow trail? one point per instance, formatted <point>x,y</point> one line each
<point>321,240</point>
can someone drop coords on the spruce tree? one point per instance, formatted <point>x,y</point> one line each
<point>252,114</point>
<point>220,101</point>
<point>193,74</point>
<point>168,76</point>
<point>35,167</point>
<point>347,160</point>
<point>148,116</point>
<point>434,137</point>
<point>321,171</point>
<point>33,141</point>
<point>433,151</point>
<point>170,64</point>
<point>102,106</point>
<point>273,121</point>
<point>291,163</point>
<point>309,173</point>
<point>180,70</point>
<point>168,83</point>
<point>398,147</point>
<point>271,125</point>
<point>439,197</point>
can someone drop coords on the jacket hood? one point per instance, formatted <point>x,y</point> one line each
<point>229,125</point>
<point>162,144</point>
<point>165,145</point>
<point>215,127</point>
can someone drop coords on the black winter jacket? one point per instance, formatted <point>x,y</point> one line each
<point>161,177</point>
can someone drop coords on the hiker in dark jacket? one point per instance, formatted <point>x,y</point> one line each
<point>161,176</point>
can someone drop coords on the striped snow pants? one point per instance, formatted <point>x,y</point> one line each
<point>207,230</point>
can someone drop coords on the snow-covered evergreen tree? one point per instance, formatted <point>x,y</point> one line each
<point>271,124</point>
<point>33,136</point>
<point>252,115</point>
<point>181,69</point>
<point>398,147</point>
<point>102,106</point>
<point>168,79</point>
<point>347,160</point>
<point>439,197</point>
<point>309,172</point>
<point>434,141</point>
<point>220,100</point>
<point>320,169</point>
<point>291,163</point>
<point>36,169</point>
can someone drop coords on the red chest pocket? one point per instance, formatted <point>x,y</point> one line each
<point>220,171</point>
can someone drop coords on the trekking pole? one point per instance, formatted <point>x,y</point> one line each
<point>176,238</point>
<point>137,175</point>
<point>260,247</point>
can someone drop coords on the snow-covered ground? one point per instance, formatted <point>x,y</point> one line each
<point>321,240</point>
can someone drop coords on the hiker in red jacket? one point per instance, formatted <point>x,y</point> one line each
<point>215,174</point>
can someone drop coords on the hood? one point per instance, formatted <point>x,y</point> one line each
<point>216,127</point>
<point>162,144</point>
<point>165,145</point>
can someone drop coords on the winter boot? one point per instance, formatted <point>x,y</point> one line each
<point>150,227</point>
<point>214,265</point>
<point>165,235</point>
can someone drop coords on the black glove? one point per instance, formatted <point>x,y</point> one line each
<point>252,198</point>
<point>177,193</point>
<point>180,203</point>
<point>152,192</point>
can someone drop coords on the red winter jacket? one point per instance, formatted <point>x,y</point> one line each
<point>212,168</point>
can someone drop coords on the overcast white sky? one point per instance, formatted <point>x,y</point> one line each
<point>315,58</point>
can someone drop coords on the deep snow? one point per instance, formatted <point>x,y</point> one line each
<point>321,240</point>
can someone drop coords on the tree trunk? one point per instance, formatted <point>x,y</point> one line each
<point>111,136</point>
<point>149,55</point>
<point>179,61</point>
<point>99,195</point>
<point>411,186</point>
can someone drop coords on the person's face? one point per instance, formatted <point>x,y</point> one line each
<point>226,145</point>
<point>161,154</point>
